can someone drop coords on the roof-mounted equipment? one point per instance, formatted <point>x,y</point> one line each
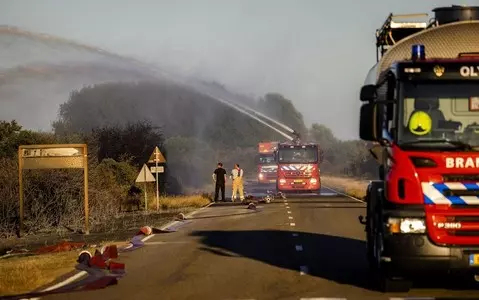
<point>455,13</point>
<point>394,30</point>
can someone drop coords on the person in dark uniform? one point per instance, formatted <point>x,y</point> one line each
<point>219,176</point>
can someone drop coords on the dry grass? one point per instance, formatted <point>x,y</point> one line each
<point>25,274</point>
<point>28,273</point>
<point>353,187</point>
<point>179,202</point>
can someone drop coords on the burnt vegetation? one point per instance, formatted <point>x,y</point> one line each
<point>122,123</point>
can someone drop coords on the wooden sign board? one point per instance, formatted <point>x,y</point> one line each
<point>53,156</point>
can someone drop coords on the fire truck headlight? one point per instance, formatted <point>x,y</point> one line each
<point>406,225</point>
<point>261,176</point>
<point>282,181</point>
<point>313,181</point>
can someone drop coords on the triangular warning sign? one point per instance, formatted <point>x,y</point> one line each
<point>145,175</point>
<point>157,156</point>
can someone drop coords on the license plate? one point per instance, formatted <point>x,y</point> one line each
<point>474,259</point>
<point>298,181</point>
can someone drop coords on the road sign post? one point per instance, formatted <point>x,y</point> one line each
<point>145,176</point>
<point>53,156</point>
<point>157,188</point>
<point>157,157</point>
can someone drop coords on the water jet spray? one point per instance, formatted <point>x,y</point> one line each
<point>290,134</point>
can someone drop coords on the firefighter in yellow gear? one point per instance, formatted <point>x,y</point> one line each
<point>237,176</point>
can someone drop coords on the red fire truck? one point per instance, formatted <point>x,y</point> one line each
<point>297,163</point>
<point>267,166</point>
<point>423,213</point>
<point>298,167</point>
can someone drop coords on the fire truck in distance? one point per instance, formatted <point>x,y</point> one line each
<point>267,166</point>
<point>298,167</point>
<point>297,163</point>
<point>423,212</point>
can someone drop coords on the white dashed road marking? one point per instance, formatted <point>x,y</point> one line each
<point>289,211</point>
<point>299,248</point>
<point>333,298</point>
<point>290,218</point>
<point>413,298</point>
<point>287,207</point>
<point>321,298</point>
<point>292,224</point>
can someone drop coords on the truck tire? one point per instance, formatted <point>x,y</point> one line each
<point>372,213</point>
<point>386,279</point>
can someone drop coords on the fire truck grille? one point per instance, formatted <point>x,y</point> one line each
<point>469,226</point>
<point>466,219</point>
<point>465,233</point>
<point>461,178</point>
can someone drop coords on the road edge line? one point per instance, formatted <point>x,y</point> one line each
<point>349,196</point>
<point>66,281</point>
<point>171,223</point>
<point>82,273</point>
<point>79,274</point>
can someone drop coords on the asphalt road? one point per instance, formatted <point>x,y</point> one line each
<point>301,248</point>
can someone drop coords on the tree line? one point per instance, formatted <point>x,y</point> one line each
<point>123,122</point>
<point>199,131</point>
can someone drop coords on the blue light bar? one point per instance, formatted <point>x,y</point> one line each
<point>418,52</point>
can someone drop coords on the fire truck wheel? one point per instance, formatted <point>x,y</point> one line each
<point>376,250</point>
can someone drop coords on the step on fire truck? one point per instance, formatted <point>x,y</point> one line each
<point>422,108</point>
<point>267,166</point>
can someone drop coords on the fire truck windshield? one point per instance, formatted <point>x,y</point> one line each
<point>298,155</point>
<point>441,115</point>
<point>266,159</point>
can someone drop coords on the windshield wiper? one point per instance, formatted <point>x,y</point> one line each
<point>457,143</point>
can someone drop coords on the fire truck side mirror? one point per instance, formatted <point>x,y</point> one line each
<point>370,122</point>
<point>368,93</point>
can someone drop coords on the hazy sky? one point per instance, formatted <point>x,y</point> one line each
<point>315,52</point>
